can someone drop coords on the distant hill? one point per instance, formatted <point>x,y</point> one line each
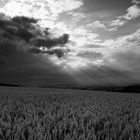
<point>116,88</point>
<point>9,85</point>
<point>112,88</point>
<point>133,88</point>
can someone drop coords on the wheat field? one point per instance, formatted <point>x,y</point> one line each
<point>58,114</point>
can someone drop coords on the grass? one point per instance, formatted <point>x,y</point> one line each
<point>35,114</point>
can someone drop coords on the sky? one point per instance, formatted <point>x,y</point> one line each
<point>70,42</point>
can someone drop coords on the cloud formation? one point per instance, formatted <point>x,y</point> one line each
<point>118,59</point>
<point>25,29</point>
<point>23,58</point>
<point>132,13</point>
<point>42,10</point>
<point>97,24</point>
<point>123,54</point>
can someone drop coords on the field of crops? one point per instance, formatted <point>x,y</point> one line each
<point>31,114</point>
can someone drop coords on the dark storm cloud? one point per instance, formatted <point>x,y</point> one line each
<point>25,29</point>
<point>24,21</point>
<point>13,53</point>
<point>21,56</point>
<point>19,35</point>
<point>13,28</point>
<point>60,52</point>
<point>50,42</point>
<point>20,43</point>
<point>12,46</point>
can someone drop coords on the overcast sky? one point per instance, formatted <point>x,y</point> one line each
<point>92,42</point>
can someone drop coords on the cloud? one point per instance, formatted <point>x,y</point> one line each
<point>26,29</point>
<point>14,41</point>
<point>123,54</point>
<point>24,62</point>
<point>50,42</point>
<point>77,16</point>
<point>57,51</point>
<point>117,22</point>
<point>118,61</point>
<point>43,10</point>
<point>71,64</point>
<point>124,42</point>
<point>115,61</point>
<point>13,53</point>
<point>55,46</point>
<point>135,1</point>
<point>97,24</point>
<point>19,60</point>
<point>82,36</point>
<point>17,27</point>
<point>132,13</point>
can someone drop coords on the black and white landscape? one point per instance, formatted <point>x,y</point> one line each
<point>69,70</point>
